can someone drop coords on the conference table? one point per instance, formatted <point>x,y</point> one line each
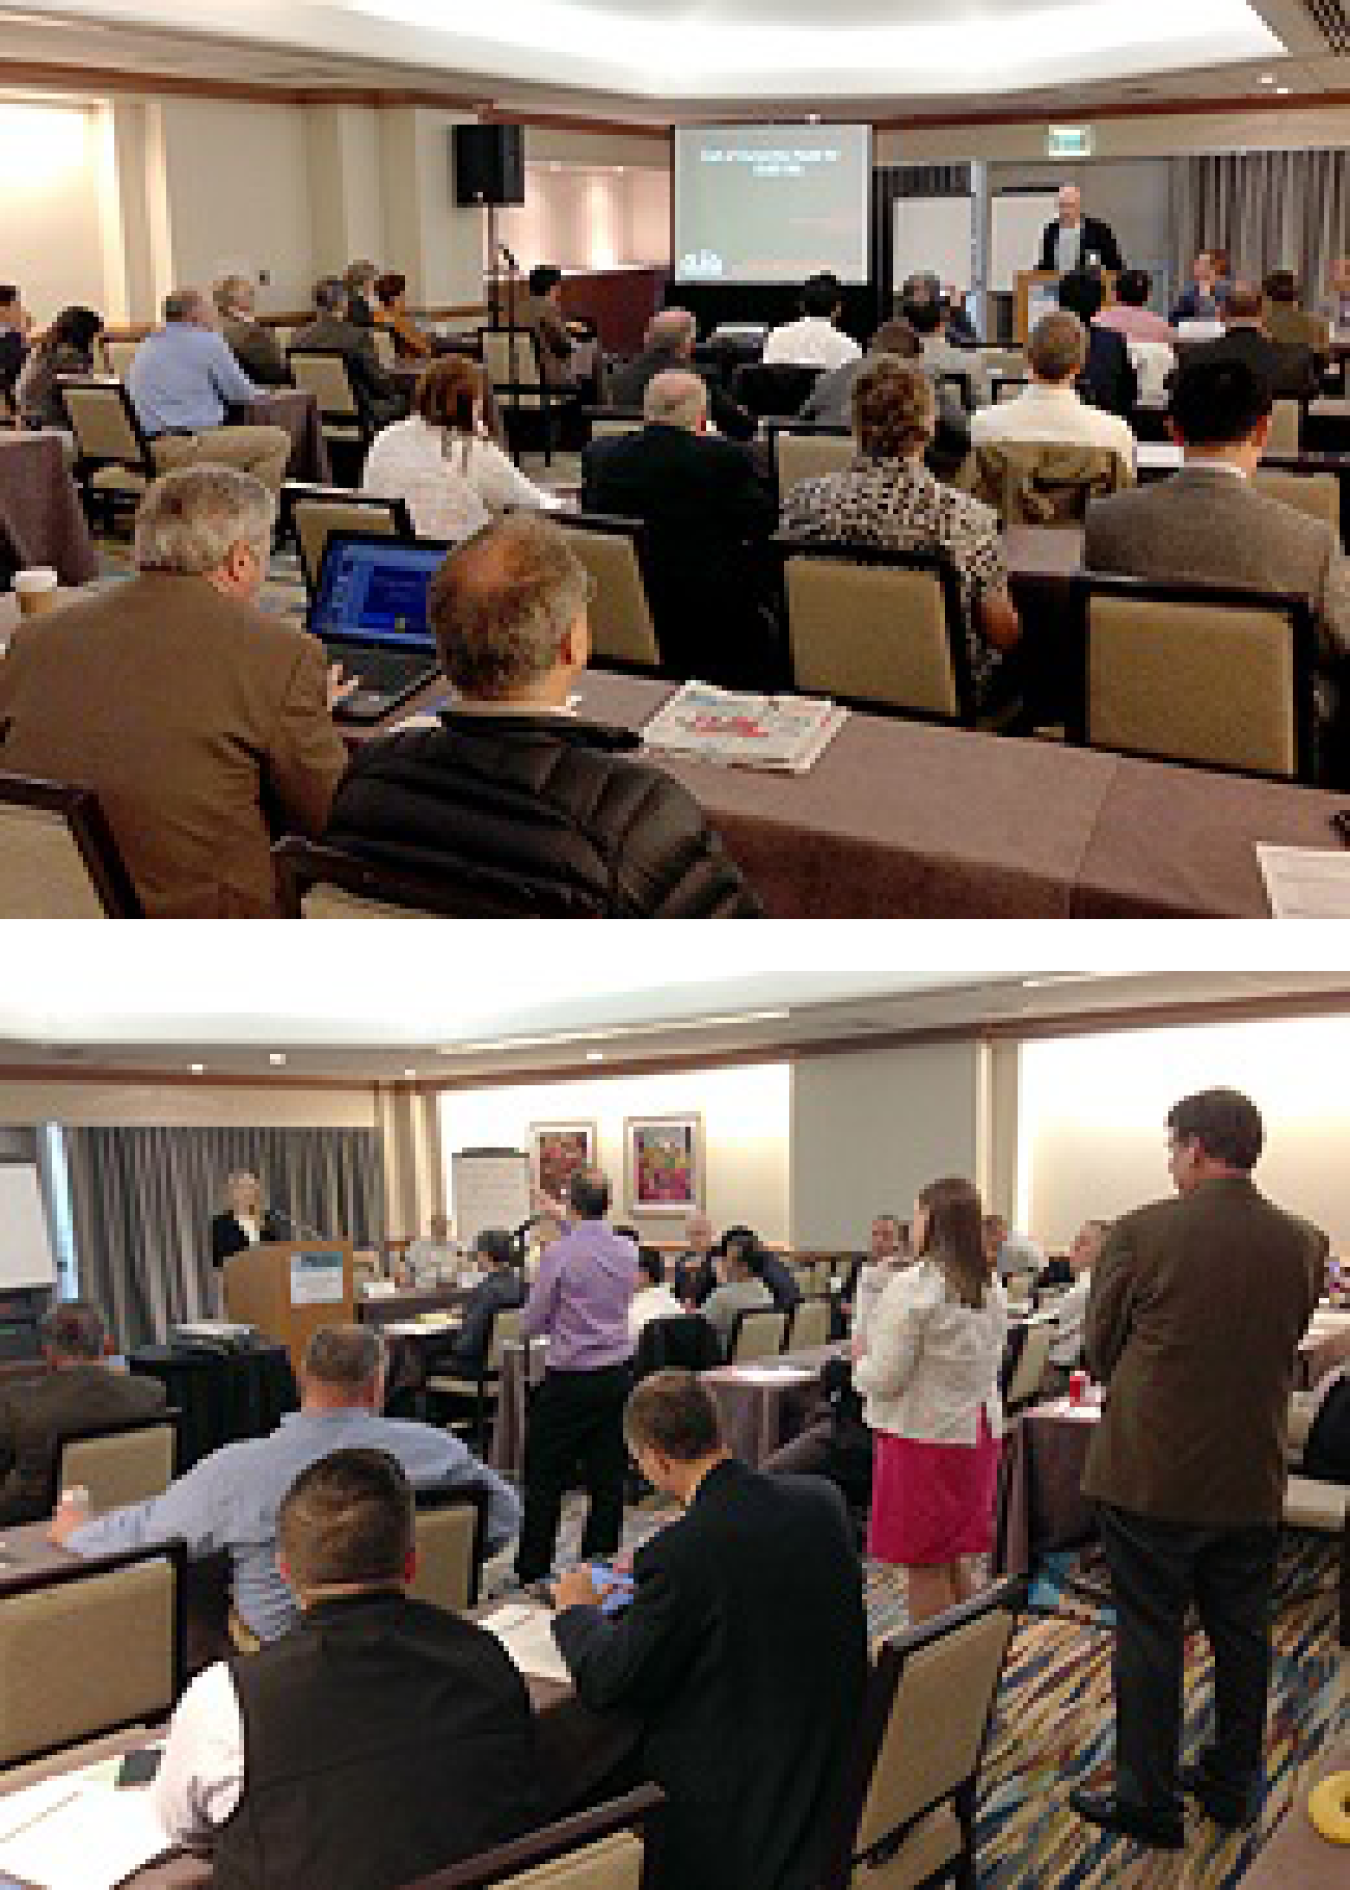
<point>766,1402</point>
<point>296,412</point>
<point>41,519</point>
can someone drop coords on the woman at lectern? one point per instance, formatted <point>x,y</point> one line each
<point>244,1220</point>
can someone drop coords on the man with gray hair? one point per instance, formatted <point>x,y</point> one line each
<point>254,347</point>
<point>182,380</point>
<point>1050,408</point>
<point>80,1392</point>
<point>201,722</point>
<point>708,515</point>
<point>230,1499</point>
<point>669,343</point>
<point>335,330</point>
<point>515,800</point>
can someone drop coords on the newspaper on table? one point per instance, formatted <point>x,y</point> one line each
<point>786,734</point>
<point>79,1831</point>
<point>1306,882</point>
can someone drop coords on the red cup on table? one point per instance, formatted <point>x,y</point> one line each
<point>1078,1387</point>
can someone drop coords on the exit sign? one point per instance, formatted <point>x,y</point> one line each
<point>1068,141</point>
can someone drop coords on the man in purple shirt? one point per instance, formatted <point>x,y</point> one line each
<point>580,1304</point>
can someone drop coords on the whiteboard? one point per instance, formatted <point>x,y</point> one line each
<point>26,1249</point>
<point>490,1188</point>
<point>934,233</point>
<point>1019,219</point>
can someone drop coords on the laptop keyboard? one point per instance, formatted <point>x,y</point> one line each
<point>388,671</point>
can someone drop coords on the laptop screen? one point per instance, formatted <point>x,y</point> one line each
<point>374,590</point>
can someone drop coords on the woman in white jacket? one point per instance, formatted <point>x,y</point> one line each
<point>441,462</point>
<point>928,1369</point>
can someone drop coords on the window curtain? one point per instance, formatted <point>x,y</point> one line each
<point>1269,209</point>
<point>142,1202</point>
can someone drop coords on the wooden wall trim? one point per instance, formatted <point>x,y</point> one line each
<point>1263,101</point>
<point>123,1077</point>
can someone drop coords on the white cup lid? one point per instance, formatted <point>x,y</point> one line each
<point>38,577</point>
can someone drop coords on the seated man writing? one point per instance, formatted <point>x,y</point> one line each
<point>381,1739</point>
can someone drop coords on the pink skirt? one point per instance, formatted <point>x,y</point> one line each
<point>932,1502</point>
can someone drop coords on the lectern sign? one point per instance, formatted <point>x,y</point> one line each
<point>316,1279</point>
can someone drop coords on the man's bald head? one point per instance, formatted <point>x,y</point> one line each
<point>504,605</point>
<point>675,399</point>
<point>672,330</point>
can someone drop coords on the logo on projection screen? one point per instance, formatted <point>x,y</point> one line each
<point>701,265</point>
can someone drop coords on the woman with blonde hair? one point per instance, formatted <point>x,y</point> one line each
<point>928,1369</point>
<point>440,460</point>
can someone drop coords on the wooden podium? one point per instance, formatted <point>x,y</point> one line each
<point>289,1288</point>
<point>1028,281</point>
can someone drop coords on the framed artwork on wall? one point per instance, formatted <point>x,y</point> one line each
<point>557,1150</point>
<point>663,1163</point>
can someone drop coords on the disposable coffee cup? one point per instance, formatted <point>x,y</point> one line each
<point>36,589</point>
<point>76,1496</point>
<point>1078,1384</point>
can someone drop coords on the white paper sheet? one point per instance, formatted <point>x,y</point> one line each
<point>91,1837</point>
<point>525,1634</point>
<point>1306,882</point>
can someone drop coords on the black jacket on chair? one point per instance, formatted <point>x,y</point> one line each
<point>744,1653</point>
<point>1109,379</point>
<point>1099,240</point>
<point>537,814</point>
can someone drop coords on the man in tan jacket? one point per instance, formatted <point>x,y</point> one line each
<point>201,723</point>
<point>1193,1323</point>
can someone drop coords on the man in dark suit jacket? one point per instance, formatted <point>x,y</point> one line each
<point>1193,1322</point>
<point>79,1393</point>
<point>1073,241</point>
<point>1108,378</point>
<point>334,332</point>
<point>706,514</point>
<point>502,1289</point>
<point>743,1651</point>
<point>1289,366</point>
<point>669,343</point>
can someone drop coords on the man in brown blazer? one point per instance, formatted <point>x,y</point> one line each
<point>79,1393</point>
<point>1193,1323</point>
<point>201,723</point>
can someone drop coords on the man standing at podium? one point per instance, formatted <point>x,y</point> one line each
<point>1073,241</point>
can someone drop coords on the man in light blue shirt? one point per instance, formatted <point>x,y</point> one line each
<point>181,380</point>
<point>230,1499</point>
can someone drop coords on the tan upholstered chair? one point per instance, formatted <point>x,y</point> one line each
<point>1009,361</point>
<point>1196,673</point>
<point>120,355</point>
<point>121,1466</point>
<point>1008,386</point>
<point>529,406</point>
<point>90,1647</point>
<point>612,423</point>
<point>450,1533</point>
<point>325,375</point>
<point>113,460</point>
<point>810,1324</point>
<point>1032,1359</point>
<point>316,512</point>
<point>905,1814</point>
<point>603,1849</point>
<point>623,635</point>
<point>1285,427</point>
<point>60,859</point>
<point>1034,482</point>
<point>801,455</point>
<point>758,1332</point>
<point>484,1386</point>
<point>880,629</point>
<point>1317,494</point>
<point>322,882</point>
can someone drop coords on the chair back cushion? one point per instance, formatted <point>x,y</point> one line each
<point>810,456</point>
<point>505,349</point>
<point>1192,682</point>
<point>120,1466</point>
<point>1284,427</point>
<point>871,633</point>
<point>102,425</point>
<point>316,519</point>
<point>1031,1362</point>
<point>810,1324</point>
<point>505,1331</point>
<point>446,1537</point>
<point>611,1863</point>
<point>326,377</point>
<point>120,355</point>
<point>45,876</point>
<point>758,1334</point>
<point>622,630</point>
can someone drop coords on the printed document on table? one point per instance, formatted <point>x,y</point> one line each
<point>527,1637</point>
<point>1306,882</point>
<point>74,1834</point>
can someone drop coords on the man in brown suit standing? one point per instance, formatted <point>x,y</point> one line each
<point>1193,1323</point>
<point>201,722</point>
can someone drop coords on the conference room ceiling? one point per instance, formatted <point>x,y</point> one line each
<point>563,1003</point>
<point>651,61</point>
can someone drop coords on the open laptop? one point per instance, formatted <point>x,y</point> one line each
<point>369,610</point>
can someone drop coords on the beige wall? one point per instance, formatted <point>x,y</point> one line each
<point>589,218</point>
<point>60,183</point>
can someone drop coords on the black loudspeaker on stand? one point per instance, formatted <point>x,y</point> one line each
<point>489,164</point>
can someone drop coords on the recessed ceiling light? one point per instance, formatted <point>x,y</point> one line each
<point>813,118</point>
<point>276,1058</point>
<point>410,1074</point>
<point>1281,91</point>
<point>1267,78</point>
<point>595,1056</point>
<point>197,1069</point>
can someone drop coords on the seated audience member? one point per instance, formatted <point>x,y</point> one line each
<point>200,721</point>
<point>1130,314</point>
<point>814,339</point>
<point>254,346</point>
<point>1049,411</point>
<point>830,402</point>
<point>16,325</point>
<point>440,460</point>
<point>742,1290</point>
<point>696,1271</point>
<point>1286,321</point>
<point>888,497</point>
<point>1289,367</point>
<point>229,1500</point>
<point>359,279</point>
<point>391,311</point>
<point>1066,1350</point>
<point>708,516</point>
<point>669,343</point>
<point>890,1254</point>
<point>923,311</point>
<point>182,379</point>
<point>80,1392</point>
<point>1209,522</point>
<point>1337,304</point>
<point>1209,289</point>
<point>1108,378</point>
<point>957,325</point>
<point>513,796</point>
<point>746,1715</point>
<point>382,1738</point>
<point>425,1257</point>
<point>71,345</point>
<point>1011,1253</point>
<point>503,1289</point>
<point>775,1273</point>
<point>335,331</point>
<point>653,1299</point>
